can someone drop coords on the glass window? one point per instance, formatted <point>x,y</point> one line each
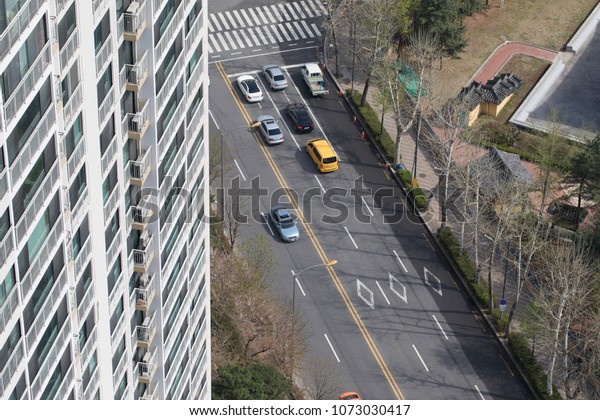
<point>10,345</point>
<point>43,289</point>
<point>38,236</point>
<point>67,26</point>
<point>104,84</point>
<point>6,287</point>
<point>194,60</point>
<point>47,340</point>
<point>74,135</point>
<point>53,385</point>
<point>102,32</point>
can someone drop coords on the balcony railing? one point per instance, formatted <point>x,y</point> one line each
<point>113,250</point>
<point>103,55</point>
<point>106,106</point>
<point>120,369</point>
<point>109,155</point>
<point>98,7</point>
<point>195,122</point>
<point>39,202</point>
<point>27,155</point>
<point>133,76</point>
<point>75,101</point>
<point>66,384</point>
<point>135,21</point>
<point>193,33</point>
<point>138,122</point>
<point>86,303</point>
<point>140,169</point>
<point>170,131</point>
<point>7,245</point>
<point>44,316</point>
<point>26,86</point>
<point>117,332</point>
<point>194,81</point>
<point>79,211</point>
<point>89,346</point>
<point>116,293</point>
<point>138,217</point>
<point>172,79</point>
<point>8,309</point>
<point>157,6</point>
<point>11,367</point>
<point>3,183</point>
<point>183,349</point>
<point>51,359</point>
<point>140,259</point>
<point>166,38</point>
<point>67,52</point>
<point>111,203</point>
<point>144,292</point>
<point>18,24</point>
<point>143,334</point>
<point>60,5</point>
<point>76,158</point>
<point>82,257</point>
<point>35,272</point>
<point>146,369</point>
<point>92,386</point>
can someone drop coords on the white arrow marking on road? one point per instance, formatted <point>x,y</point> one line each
<point>359,286</point>
<point>268,224</point>
<point>298,283</point>
<point>422,361</point>
<point>392,287</point>
<point>400,261</point>
<point>386,299</point>
<point>480,394</point>
<point>438,324</point>
<point>332,349</point>
<point>426,272</point>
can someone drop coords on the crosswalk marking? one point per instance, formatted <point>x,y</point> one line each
<point>258,22</point>
<point>242,38</point>
<point>306,9</point>
<point>224,21</point>
<point>282,7</point>
<point>256,41</point>
<point>217,24</point>
<point>210,27</point>
<point>265,35</point>
<point>307,29</point>
<point>276,12</point>
<point>318,5</point>
<point>247,19</point>
<point>268,13</point>
<point>315,29</point>
<point>230,39</point>
<point>210,50</point>
<point>262,16</point>
<point>232,20</point>
<point>300,31</point>
<point>283,32</point>
<point>290,9</point>
<point>276,33</point>
<point>221,38</point>
<point>300,11</point>
<point>291,29</point>
<point>237,15</point>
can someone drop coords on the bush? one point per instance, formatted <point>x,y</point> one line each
<point>417,192</point>
<point>462,260</point>
<point>373,122</point>
<point>421,201</point>
<point>250,382</point>
<point>405,177</point>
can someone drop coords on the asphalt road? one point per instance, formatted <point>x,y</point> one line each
<point>388,315</point>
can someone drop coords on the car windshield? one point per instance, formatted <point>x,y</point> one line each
<point>287,223</point>
<point>278,77</point>
<point>330,159</point>
<point>274,131</point>
<point>252,86</point>
<point>303,117</point>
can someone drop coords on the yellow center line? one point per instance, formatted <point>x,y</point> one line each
<point>332,273</point>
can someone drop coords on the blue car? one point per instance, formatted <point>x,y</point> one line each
<point>284,223</point>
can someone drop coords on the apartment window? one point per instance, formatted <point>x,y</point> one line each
<point>194,60</point>
<point>53,385</point>
<point>43,290</point>
<point>102,32</point>
<point>69,84</point>
<point>89,370</point>
<point>107,135</point>
<point>4,226</point>
<point>10,345</point>
<point>121,388</point>
<point>174,351</point>
<point>78,239</point>
<point>17,140</point>
<point>177,379</point>
<point>2,164</point>
<point>174,277</point>
<point>47,340</point>
<point>195,104</point>
<point>104,84</point>
<point>116,316</point>
<point>38,236</point>
<point>167,65</point>
<point>170,155</point>
<point>198,256</point>
<point>126,154</point>
<point>109,184</point>
<point>173,316</point>
<point>67,26</point>
<point>8,11</point>
<point>83,336</point>
<point>114,274</point>
<point>24,59</point>
<point>118,353</point>
<point>6,287</point>
<point>125,53</point>
<point>33,181</point>
<point>77,187</point>
<point>196,146</point>
<point>194,13</point>
<point>112,229</point>
<point>167,114</point>
<point>163,21</point>
<point>199,292</point>
<point>74,135</point>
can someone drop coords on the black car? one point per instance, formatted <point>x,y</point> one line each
<point>300,117</point>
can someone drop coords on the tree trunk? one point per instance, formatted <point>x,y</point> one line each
<point>581,182</point>
<point>397,143</point>
<point>363,100</point>
<point>554,351</point>
<point>520,282</point>
<point>490,286</point>
<point>336,51</point>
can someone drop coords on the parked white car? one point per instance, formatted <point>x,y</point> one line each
<point>250,88</point>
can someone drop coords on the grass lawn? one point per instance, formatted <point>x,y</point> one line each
<point>544,23</point>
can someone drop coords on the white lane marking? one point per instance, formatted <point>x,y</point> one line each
<point>277,13</point>
<point>284,32</point>
<point>310,42</point>
<point>212,42</point>
<point>360,286</point>
<point>239,169</point>
<point>215,56</point>
<point>223,41</point>
<point>259,49</point>
<point>300,11</point>
<point>214,120</point>
<point>319,5</point>
<point>386,299</point>
<point>236,53</point>
<point>365,203</point>
<point>422,361</point>
<point>320,185</point>
<point>292,45</point>
<point>314,7</point>
<point>440,327</point>
<point>265,90</point>
<point>291,10</point>
<point>244,37</point>
<point>291,29</point>
<point>332,349</point>
<point>307,29</point>
<point>271,40</point>
<point>287,97</point>
<point>231,19</point>
<point>351,238</point>
<point>480,394</point>
<point>394,280</point>
<point>268,224</point>
<point>230,39</point>
<point>210,50</point>
<point>299,29</point>
<point>438,282</point>
<point>400,261</point>
<point>247,20</point>
<point>270,53</point>
<point>210,27</point>
<point>298,283</point>
<point>262,15</point>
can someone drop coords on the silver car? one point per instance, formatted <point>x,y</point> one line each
<point>274,77</point>
<point>284,223</point>
<point>269,129</point>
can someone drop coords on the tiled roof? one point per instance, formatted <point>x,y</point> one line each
<point>511,163</point>
<point>494,91</point>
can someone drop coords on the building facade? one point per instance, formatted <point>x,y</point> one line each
<point>104,267</point>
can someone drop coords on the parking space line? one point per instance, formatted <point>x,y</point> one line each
<point>239,169</point>
<point>400,261</point>
<point>385,297</point>
<point>351,238</point>
<point>332,349</point>
<point>267,223</point>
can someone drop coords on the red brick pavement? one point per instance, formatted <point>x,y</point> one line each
<point>502,54</point>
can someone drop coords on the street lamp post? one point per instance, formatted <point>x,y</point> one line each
<point>294,280</point>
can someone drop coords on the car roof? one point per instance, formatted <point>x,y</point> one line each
<point>275,70</point>
<point>312,67</point>
<point>245,77</point>
<point>267,119</point>
<point>295,107</point>
<point>280,209</point>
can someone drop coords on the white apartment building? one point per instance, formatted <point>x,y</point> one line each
<point>104,266</point>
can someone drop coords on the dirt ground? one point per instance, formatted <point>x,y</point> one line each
<point>543,23</point>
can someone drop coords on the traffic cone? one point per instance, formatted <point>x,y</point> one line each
<point>363,135</point>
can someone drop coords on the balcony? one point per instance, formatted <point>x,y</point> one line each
<point>92,387</point>
<point>140,169</point>
<point>106,106</point>
<point>181,353</point>
<point>39,202</point>
<point>135,20</point>
<point>89,346</point>
<point>170,82</point>
<point>120,370</point>
<point>98,7</point>
<point>133,76</point>
<point>194,81</point>
<point>7,245</point>
<point>80,210</point>
<point>137,123</point>
<point>144,334</point>
<point>67,52</point>
<point>193,34</point>
<point>50,305</point>
<point>111,204</point>
<point>12,366</point>
<point>103,55</point>
<point>83,257</point>
<point>140,259</point>
<point>8,309</point>
<point>144,292</point>
<point>146,368</point>
<point>167,37</point>
<point>138,218</point>
<point>72,106</point>
<point>116,293</point>
<point>116,334</point>
<point>86,303</point>
<point>66,385</point>
<point>52,359</point>
<point>195,122</point>
<point>109,156</point>
<point>60,5</point>
<point>3,183</point>
<point>34,144</point>
<point>170,131</point>
<point>113,250</point>
<point>76,158</point>
<point>26,86</point>
<point>18,25</point>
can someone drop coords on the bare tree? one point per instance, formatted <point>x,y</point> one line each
<point>322,379</point>
<point>562,298</point>
<point>234,214</point>
<point>258,254</point>
<point>336,13</point>
<point>216,150</point>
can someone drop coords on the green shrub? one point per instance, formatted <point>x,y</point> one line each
<point>405,177</point>
<point>250,382</point>
<point>373,122</point>
<point>417,192</point>
<point>421,201</point>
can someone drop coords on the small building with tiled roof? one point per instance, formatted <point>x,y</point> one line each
<point>511,167</point>
<point>489,98</point>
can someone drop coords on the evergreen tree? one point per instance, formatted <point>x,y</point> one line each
<point>443,18</point>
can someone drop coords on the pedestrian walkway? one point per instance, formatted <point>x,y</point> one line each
<point>264,25</point>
